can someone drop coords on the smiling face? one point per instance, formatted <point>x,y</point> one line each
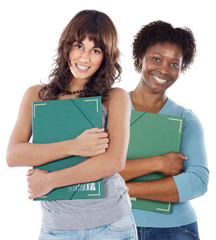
<point>161,66</point>
<point>85,60</point>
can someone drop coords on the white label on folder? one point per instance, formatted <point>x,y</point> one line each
<point>133,199</point>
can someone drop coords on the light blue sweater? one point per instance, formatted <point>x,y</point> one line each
<point>192,183</point>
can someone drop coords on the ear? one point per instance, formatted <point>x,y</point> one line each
<point>140,62</point>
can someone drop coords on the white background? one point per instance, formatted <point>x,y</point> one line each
<point>30,31</point>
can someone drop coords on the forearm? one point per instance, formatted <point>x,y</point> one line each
<point>164,190</point>
<point>139,167</point>
<point>35,154</point>
<point>170,164</point>
<point>91,169</point>
<point>23,153</point>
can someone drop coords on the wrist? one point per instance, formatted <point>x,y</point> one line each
<point>157,163</point>
<point>53,180</point>
<point>70,147</point>
<point>130,189</point>
<point>61,178</point>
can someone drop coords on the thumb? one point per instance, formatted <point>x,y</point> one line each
<point>182,156</point>
<point>30,172</point>
<point>95,130</point>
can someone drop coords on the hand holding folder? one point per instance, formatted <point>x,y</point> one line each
<point>59,120</point>
<point>153,135</point>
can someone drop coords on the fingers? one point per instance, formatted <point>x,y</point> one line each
<point>103,141</point>
<point>95,130</point>
<point>103,146</point>
<point>91,141</point>
<point>31,196</point>
<point>99,132</point>
<point>102,135</point>
<point>181,155</point>
<point>30,191</point>
<point>30,172</point>
<point>100,151</point>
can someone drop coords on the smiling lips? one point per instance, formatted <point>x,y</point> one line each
<point>81,67</point>
<point>160,80</point>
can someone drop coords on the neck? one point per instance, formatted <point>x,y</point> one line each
<point>144,100</point>
<point>76,85</point>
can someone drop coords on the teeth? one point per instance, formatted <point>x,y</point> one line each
<point>160,79</point>
<point>82,67</point>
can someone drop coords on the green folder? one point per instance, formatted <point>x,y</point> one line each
<point>151,135</point>
<point>59,120</point>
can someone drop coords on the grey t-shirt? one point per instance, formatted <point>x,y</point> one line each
<point>89,213</point>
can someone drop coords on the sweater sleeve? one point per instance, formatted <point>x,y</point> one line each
<point>193,182</point>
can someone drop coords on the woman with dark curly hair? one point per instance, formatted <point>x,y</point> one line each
<point>160,54</point>
<point>86,65</point>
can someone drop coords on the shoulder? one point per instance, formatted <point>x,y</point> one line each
<point>118,99</point>
<point>181,111</point>
<point>189,116</point>
<point>118,94</point>
<point>191,120</point>
<point>192,124</point>
<point>31,93</point>
<point>25,110</point>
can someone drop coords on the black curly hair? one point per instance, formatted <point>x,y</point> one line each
<point>160,32</point>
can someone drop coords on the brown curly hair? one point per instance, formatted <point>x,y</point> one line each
<point>159,32</point>
<point>98,27</point>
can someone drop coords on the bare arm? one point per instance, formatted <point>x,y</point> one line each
<point>22,153</point>
<point>164,190</point>
<point>169,164</point>
<point>97,167</point>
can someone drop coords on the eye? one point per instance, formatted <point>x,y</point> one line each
<point>175,65</point>
<point>156,59</point>
<point>78,46</point>
<point>97,51</point>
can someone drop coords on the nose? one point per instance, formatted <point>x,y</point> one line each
<point>84,57</point>
<point>164,68</point>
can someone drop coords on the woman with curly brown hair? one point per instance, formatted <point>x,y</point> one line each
<point>160,54</point>
<point>86,65</point>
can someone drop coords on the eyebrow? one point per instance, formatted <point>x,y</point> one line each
<point>176,59</point>
<point>95,46</point>
<point>76,41</point>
